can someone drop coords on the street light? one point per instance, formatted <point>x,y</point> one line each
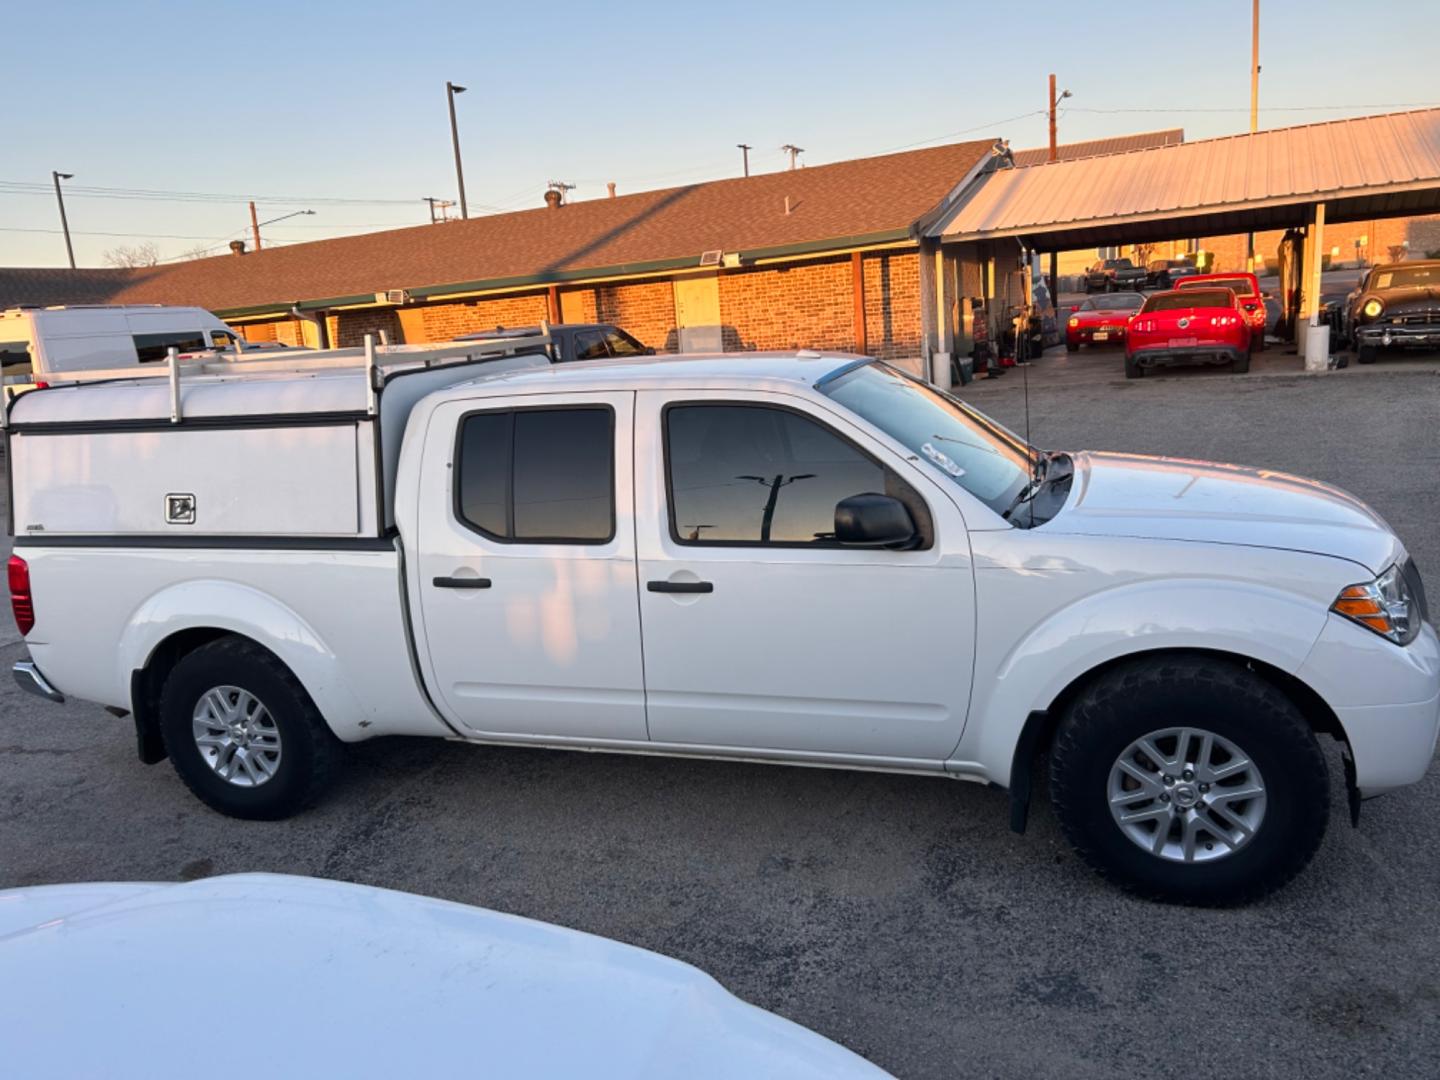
<point>64,225</point>
<point>779,481</point>
<point>255,225</point>
<point>450,91</point>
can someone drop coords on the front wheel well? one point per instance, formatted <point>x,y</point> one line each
<point>147,682</point>
<point>1040,726</point>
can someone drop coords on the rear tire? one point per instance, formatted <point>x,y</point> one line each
<point>242,732</point>
<point>1253,730</point>
<point>1133,370</point>
<point>1242,365</point>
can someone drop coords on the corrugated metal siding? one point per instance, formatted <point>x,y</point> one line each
<point>1298,163</point>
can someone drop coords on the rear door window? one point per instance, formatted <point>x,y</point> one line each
<point>538,475</point>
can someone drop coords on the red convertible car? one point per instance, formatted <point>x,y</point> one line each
<point>1101,320</point>
<point>1186,326</point>
<point>1247,288</point>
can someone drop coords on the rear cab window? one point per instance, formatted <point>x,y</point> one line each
<point>543,475</point>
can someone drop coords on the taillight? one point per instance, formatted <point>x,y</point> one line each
<point>1224,320</point>
<point>41,384</point>
<point>21,602</point>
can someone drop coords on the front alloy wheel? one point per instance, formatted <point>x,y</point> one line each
<point>1186,795</point>
<point>1189,778</point>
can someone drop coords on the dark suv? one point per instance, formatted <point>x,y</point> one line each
<point>574,341</point>
<point>1110,275</point>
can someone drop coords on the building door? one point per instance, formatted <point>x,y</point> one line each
<point>572,305</point>
<point>697,314</point>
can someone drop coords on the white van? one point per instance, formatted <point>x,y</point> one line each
<point>38,341</point>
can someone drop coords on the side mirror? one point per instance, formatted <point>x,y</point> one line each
<point>873,520</point>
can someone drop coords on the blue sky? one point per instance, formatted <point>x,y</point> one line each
<point>330,100</point>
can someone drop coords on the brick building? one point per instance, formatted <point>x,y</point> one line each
<point>823,257</point>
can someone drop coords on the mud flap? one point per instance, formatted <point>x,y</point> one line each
<point>1352,789</point>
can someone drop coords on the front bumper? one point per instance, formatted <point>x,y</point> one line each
<point>1386,697</point>
<point>1085,335</point>
<point>1383,336</point>
<point>1161,355</point>
<point>28,676</point>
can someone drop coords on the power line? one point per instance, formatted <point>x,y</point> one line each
<point>1268,108</point>
<point>77,232</point>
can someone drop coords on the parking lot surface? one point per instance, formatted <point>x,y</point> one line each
<point>896,915</point>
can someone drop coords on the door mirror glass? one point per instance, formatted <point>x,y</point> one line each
<point>873,520</point>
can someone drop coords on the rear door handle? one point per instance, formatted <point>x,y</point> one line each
<point>681,586</point>
<point>461,583</point>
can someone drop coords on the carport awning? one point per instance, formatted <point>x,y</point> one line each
<point>1372,167</point>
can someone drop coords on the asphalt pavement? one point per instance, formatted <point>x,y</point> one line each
<point>896,915</point>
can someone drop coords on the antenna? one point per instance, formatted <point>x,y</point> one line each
<point>794,152</point>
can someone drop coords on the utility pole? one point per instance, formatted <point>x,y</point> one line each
<point>1055,104</point>
<point>1254,66</point>
<point>254,225</point>
<point>794,152</point>
<point>1254,109</point>
<point>745,152</point>
<point>450,91</point>
<point>64,225</point>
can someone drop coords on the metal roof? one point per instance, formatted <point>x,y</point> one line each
<point>1370,166</point>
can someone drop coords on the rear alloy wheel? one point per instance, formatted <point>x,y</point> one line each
<point>1189,779</point>
<point>242,732</point>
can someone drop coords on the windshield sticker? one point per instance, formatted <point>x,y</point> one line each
<point>942,460</point>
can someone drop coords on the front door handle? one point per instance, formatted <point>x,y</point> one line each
<point>461,583</point>
<point>681,586</point>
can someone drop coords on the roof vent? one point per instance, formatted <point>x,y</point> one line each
<point>712,258</point>
<point>237,247</point>
<point>552,199</point>
<point>392,296</point>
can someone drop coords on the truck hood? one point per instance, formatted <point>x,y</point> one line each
<point>303,977</point>
<point>1167,498</point>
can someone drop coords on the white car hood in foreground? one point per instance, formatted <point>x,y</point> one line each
<point>263,975</point>
<point>1175,499</point>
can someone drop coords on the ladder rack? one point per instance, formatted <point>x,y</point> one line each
<point>377,361</point>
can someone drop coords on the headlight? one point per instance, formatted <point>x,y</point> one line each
<point>1074,322</point>
<point>1372,308</point>
<point>1386,605</point>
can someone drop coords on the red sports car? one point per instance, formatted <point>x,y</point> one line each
<point>1247,288</point>
<point>1101,320</point>
<point>1185,326</point>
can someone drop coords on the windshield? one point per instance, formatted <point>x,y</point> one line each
<point>991,463</point>
<point>1408,277</point>
<point>1123,301</point>
<point>1189,298</point>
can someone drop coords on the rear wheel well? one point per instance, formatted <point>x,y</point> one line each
<point>147,682</point>
<point>1039,730</point>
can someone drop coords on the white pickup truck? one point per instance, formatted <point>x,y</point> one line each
<point>803,559</point>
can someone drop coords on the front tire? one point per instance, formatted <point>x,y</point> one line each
<point>1189,779</point>
<point>242,732</point>
<point>1072,346</point>
<point>1367,354</point>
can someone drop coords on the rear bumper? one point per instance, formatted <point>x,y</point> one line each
<point>1385,336</point>
<point>1159,355</point>
<point>28,676</point>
